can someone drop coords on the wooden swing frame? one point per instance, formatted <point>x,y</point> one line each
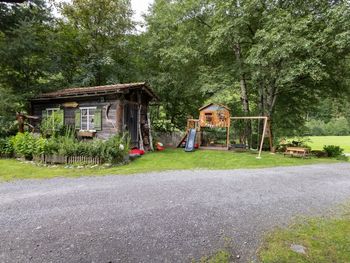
<point>266,123</point>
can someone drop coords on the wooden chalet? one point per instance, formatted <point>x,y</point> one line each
<point>100,111</point>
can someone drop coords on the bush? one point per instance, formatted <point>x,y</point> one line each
<point>6,147</point>
<point>116,148</point>
<point>112,150</point>
<point>27,145</point>
<point>40,146</point>
<point>24,145</point>
<point>333,150</point>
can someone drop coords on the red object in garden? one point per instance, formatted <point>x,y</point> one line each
<point>137,151</point>
<point>160,146</point>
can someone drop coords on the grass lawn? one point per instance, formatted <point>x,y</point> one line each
<point>170,159</point>
<point>325,239</point>
<point>317,142</point>
<point>221,256</point>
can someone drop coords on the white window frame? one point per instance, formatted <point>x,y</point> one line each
<point>53,110</point>
<point>87,118</point>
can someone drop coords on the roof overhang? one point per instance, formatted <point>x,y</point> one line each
<point>85,92</point>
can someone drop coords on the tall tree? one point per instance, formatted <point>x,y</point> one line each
<point>100,29</point>
<point>24,55</point>
<point>284,55</point>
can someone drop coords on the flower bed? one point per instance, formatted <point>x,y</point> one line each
<point>65,149</point>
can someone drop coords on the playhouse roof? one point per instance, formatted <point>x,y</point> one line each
<point>96,90</point>
<point>214,105</point>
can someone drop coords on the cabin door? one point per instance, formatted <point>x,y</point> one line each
<point>130,121</point>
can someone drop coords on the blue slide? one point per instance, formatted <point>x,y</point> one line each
<point>191,138</point>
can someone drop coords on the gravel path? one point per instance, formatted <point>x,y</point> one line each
<point>160,217</point>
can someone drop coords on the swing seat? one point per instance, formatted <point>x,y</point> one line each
<point>240,147</point>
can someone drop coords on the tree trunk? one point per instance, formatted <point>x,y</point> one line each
<point>243,83</point>
<point>244,94</point>
<point>261,104</point>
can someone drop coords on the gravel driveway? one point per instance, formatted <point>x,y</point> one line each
<point>160,217</point>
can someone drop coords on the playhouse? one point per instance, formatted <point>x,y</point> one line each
<point>211,116</point>
<point>217,117</point>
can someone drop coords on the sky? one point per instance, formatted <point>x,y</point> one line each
<point>140,7</point>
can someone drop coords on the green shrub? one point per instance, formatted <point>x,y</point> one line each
<point>113,150</point>
<point>52,146</point>
<point>333,150</point>
<point>116,148</point>
<point>6,147</point>
<point>27,145</point>
<point>40,146</point>
<point>24,145</point>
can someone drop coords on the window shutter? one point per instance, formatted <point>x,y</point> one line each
<point>43,114</point>
<point>98,120</point>
<point>60,116</point>
<point>77,119</point>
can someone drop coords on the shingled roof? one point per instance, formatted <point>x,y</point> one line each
<point>95,91</point>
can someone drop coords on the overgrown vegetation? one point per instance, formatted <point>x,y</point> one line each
<point>28,145</point>
<point>324,239</point>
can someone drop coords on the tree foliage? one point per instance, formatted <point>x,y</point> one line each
<point>282,59</point>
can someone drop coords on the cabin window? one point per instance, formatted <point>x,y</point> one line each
<point>51,111</point>
<point>53,116</point>
<point>87,119</point>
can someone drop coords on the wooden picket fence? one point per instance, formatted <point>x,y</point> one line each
<point>84,159</point>
<point>59,159</point>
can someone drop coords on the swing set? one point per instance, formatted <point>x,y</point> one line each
<point>216,117</point>
<point>244,141</point>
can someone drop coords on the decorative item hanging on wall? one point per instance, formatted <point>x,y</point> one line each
<point>70,104</point>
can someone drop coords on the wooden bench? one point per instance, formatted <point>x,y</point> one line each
<point>297,151</point>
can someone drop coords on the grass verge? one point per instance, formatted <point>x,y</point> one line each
<point>325,240</point>
<point>170,159</point>
<point>221,256</point>
<point>317,142</point>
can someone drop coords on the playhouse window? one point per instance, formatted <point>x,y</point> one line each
<point>208,117</point>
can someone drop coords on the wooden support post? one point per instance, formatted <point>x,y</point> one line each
<point>272,150</point>
<point>262,138</point>
<point>228,134</point>
<point>150,131</point>
<point>119,116</point>
<point>139,128</point>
